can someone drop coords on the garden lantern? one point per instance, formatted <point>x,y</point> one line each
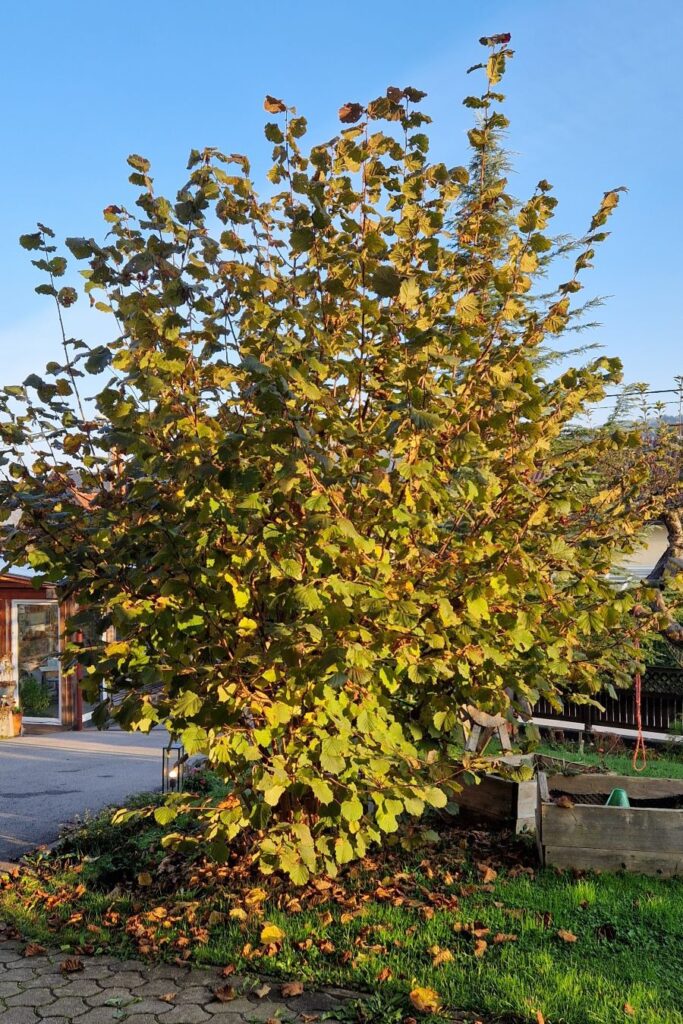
<point>172,768</point>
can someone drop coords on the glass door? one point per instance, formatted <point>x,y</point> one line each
<point>36,657</point>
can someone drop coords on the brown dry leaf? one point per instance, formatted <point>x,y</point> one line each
<point>326,919</point>
<point>488,874</point>
<point>564,801</point>
<point>225,972</point>
<point>215,917</point>
<point>565,935</point>
<point>144,878</point>
<point>349,113</point>
<point>425,1000</point>
<point>273,106</point>
<point>292,988</point>
<point>225,993</point>
<point>480,947</point>
<point>385,974</point>
<point>168,997</point>
<point>629,1009</point>
<point>504,937</point>
<point>34,949</point>
<point>262,991</point>
<point>71,965</point>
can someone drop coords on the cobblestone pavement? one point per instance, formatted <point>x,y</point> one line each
<point>36,990</point>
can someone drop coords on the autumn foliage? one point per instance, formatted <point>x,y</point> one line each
<point>324,495</point>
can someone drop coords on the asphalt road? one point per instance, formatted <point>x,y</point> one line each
<point>49,780</point>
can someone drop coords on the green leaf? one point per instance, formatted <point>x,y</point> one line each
<point>352,809</point>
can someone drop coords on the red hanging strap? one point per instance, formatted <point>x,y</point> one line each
<point>640,751</point>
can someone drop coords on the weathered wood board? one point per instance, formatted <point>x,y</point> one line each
<point>599,838</point>
<point>502,800</point>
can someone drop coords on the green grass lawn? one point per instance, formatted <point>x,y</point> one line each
<point>662,763</point>
<point>394,922</point>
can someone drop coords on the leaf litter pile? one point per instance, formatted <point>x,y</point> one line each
<point>449,927</point>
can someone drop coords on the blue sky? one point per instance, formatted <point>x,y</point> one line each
<point>594,92</point>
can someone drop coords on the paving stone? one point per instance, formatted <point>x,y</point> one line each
<point>51,980</point>
<point>100,1015</point>
<point>235,1006</point>
<point>111,992</point>
<point>8,988</point>
<point>313,1002</point>
<point>149,1005</point>
<point>155,987</point>
<point>19,1015</point>
<point>75,986</point>
<point>55,1020</point>
<point>141,1018</point>
<point>196,994</point>
<point>21,974</point>
<point>32,997</point>
<point>188,1014</point>
<point>67,1006</point>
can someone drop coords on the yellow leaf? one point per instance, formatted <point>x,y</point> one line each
<point>254,897</point>
<point>237,914</point>
<point>425,1000</point>
<point>271,933</point>
<point>144,878</point>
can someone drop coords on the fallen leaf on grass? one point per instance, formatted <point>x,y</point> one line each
<point>144,878</point>
<point>565,935</point>
<point>34,949</point>
<point>488,874</point>
<point>629,1009</point>
<point>384,974</point>
<point>225,993</point>
<point>292,988</point>
<point>480,947</point>
<point>540,1019</point>
<point>237,914</point>
<point>271,933</point>
<point>504,937</point>
<point>71,965</point>
<point>425,1000</point>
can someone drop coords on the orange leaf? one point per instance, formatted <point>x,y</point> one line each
<point>273,106</point>
<point>480,947</point>
<point>566,936</point>
<point>292,988</point>
<point>384,974</point>
<point>564,801</point>
<point>540,1019</point>
<point>629,1009</point>
<point>504,937</point>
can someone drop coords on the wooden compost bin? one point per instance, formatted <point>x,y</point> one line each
<point>502,800</point>
<point>647,837</point>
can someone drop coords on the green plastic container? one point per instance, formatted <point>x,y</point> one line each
<point>618,798</point>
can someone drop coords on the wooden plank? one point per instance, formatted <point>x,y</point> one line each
<point>492,797</point>
<point>562,725</point>
<point>527,797</point>
<point>641,830</point>
<point>664,865</point>
<point>637,787</point>
<point>632,734</point>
